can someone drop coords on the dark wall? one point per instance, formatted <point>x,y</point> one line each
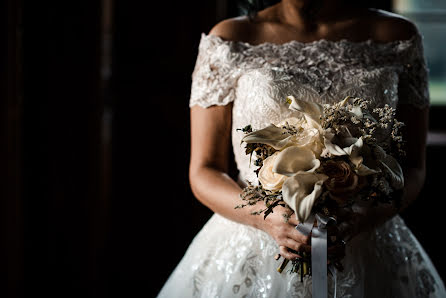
<point>11,99</point>
<point>95,147</point>
<point>154,213</point>
<point>61,148</point>
<point>95,226</point>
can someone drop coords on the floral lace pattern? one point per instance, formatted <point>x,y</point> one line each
<point>325,70</point>
<point>227,259</point>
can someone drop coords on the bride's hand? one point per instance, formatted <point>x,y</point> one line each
<point>285,233</point>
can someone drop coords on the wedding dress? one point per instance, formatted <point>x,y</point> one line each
<point>228,259</point>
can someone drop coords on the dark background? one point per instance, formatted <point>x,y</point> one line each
<point>95,198</point>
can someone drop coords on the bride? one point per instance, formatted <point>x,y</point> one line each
<point>317,51</point>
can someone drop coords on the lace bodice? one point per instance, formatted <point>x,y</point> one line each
<point>322,70</point>
<point>257,78</point>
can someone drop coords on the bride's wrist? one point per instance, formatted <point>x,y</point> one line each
<point>252,219</point>
<point>259,221</point>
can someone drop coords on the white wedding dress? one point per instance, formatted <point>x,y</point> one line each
<point>228,259</point>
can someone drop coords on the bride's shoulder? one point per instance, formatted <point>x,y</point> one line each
<point>388,27</point>
<point>234,29</point>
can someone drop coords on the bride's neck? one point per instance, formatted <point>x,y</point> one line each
<point>310,14</point>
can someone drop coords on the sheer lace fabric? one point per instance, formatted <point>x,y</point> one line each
<point>323,70</point>
<point>227,259</point>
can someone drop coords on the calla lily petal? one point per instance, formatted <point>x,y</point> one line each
<point>271,135</point>
<point>311,110</point>
<point>344,101</point>
<point>311,139</point>
<point>391,167</point>
<point>358,161</point>
<point>301,191</point>
<point>354,149</point>
<point>332,149</point>
<point>363,170</point>
<point>294,121</point>
<point>295,159</point>
<point>395,172</point>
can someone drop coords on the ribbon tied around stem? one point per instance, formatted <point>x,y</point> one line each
<point>319,246</point>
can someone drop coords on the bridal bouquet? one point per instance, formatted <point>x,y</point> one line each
<point>325,158</point>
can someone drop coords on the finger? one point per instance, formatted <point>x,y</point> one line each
<point>284,252</point>
<point>293,220</point>
<point>298,236</point>
<point>297,246</point>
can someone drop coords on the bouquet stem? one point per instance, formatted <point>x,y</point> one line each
<point>283,265</point>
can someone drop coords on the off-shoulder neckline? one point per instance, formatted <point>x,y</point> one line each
<point>369,41</point>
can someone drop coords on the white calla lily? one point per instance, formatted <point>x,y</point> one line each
<point>302,187</point>
<point>293,121</point>
<point>360,168</point>
<point>353,147</point>
<point>344,101</point>
<point>332,149</point>
<point>301,191</point>
<point>353,151</point>
<point>294,159</point>
<point>271,135</point>
<point>279,138</point>
<point>311,139</point>
<point>312,111</point>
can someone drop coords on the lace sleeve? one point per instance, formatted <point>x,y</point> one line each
<point>215,74</point>
<point>413,83</point>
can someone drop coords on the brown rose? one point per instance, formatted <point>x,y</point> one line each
<point>342,181</point>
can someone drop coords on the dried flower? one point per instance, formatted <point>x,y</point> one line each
<point>342,181</point>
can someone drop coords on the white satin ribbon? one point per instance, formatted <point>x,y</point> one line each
<point>318,253</point>
<point>306,227</point>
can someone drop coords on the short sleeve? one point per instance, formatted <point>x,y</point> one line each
<point>413,86</point>
<point>214,77</point>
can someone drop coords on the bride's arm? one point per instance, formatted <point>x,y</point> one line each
<point>210,183</point>
<point>414,164</point>
<point>212,186</point>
